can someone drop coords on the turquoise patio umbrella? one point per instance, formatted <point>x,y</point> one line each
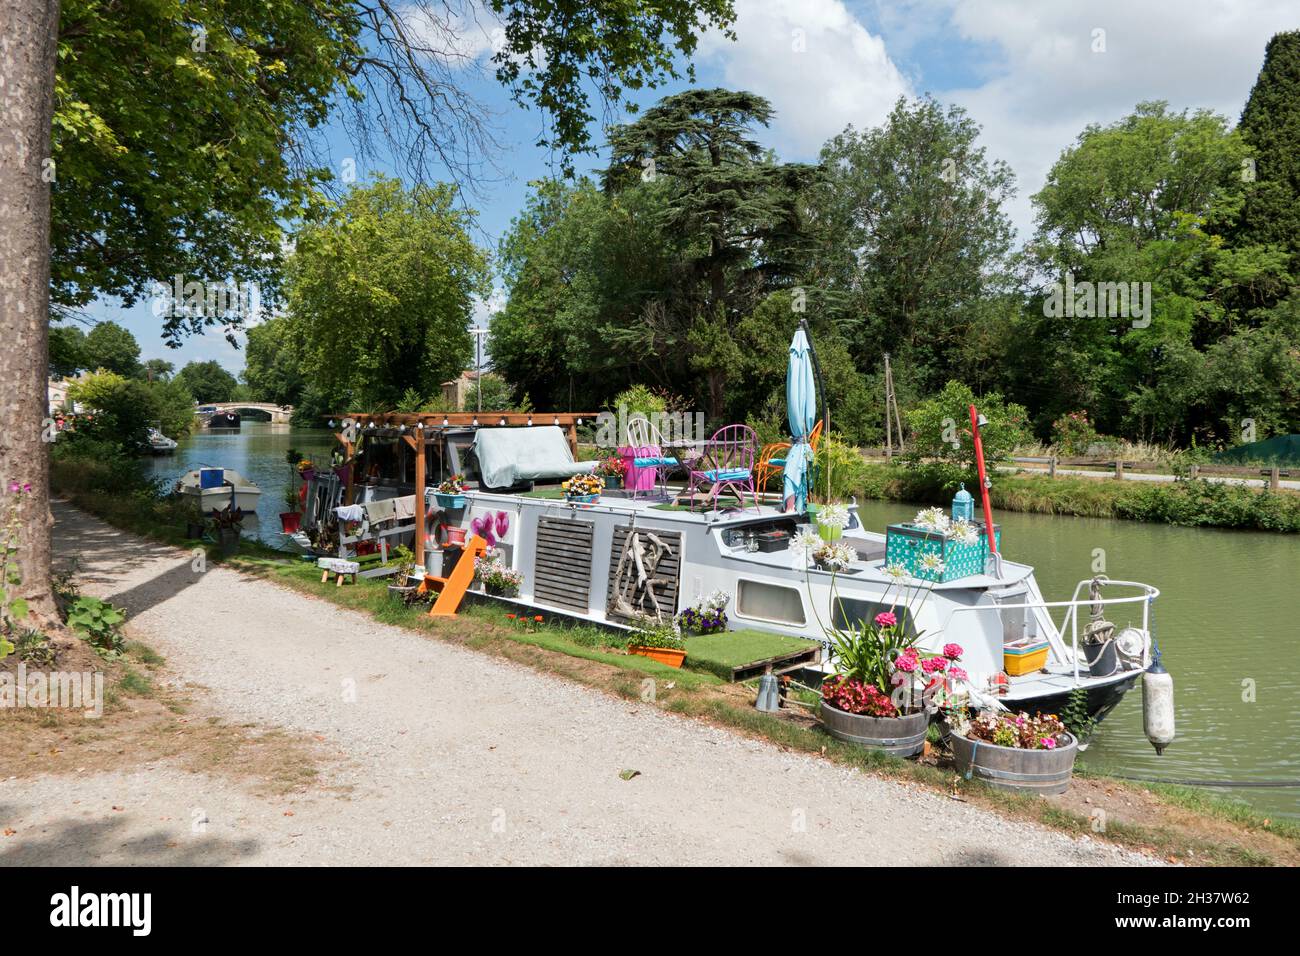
<point>801,410</point>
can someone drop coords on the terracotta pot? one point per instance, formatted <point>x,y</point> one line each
<point>664,655</point>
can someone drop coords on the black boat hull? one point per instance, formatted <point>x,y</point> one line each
<point>225,421</point>
<point>1101,700</point>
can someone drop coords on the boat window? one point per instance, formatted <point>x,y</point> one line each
<point>856,611</point>
<point>769,602</point>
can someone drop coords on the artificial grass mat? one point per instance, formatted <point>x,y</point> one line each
<point>720,653</point>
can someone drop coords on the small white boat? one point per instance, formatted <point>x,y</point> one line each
<point>224,487</point>
<point>159,443</point>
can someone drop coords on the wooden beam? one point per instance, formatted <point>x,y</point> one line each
<point>418,444</point>
<point>461,419</point>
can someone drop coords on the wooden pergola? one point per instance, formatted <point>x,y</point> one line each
<point>413,427</point>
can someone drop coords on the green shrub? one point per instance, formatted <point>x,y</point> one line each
<point>99,623</point>
<point>841,469</point>
<point>940,427</point>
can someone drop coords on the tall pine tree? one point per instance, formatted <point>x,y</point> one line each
<point>738,205</point>
<point>1271,124</point>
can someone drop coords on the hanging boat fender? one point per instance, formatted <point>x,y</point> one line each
<point>1158,704</point>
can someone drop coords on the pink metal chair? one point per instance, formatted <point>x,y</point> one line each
<point>647,460</point>
<point>726,463</point>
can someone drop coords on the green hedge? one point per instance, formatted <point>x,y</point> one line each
<point>1187,502</point>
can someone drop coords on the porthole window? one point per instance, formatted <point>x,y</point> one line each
<point>769,602</point>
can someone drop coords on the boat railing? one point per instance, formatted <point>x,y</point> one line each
<point>1148,594</point>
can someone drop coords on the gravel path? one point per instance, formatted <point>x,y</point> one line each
<point>456,757</point>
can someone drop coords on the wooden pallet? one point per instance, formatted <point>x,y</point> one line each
<point>781,664</point>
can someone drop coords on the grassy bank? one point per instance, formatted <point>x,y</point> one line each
<point>1185,826</point>
<point>1186,502</point>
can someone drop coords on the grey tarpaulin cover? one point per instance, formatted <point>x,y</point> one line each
<point>508,456</point>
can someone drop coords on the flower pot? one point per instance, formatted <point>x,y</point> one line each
<point>829,533</point>
<point>613,481</point>
<point>290,522</point>
<point>228,539</point>
<point>499,591</point>
<point>401,590</point>
<point>581,499</point>
<point>901,736</point>
<point>664,655</point>
<point>449,502</point>
<point>1011,768</point>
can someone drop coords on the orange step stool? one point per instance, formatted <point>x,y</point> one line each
<point>451,589</point>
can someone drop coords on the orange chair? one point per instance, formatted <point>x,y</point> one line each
<point>771,462</point>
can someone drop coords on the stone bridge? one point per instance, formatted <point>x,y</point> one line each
<point>280,414</point>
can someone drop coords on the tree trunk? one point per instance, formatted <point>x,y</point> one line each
<point>28,44</point>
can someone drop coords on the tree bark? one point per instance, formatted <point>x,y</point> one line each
<point>28,46</point>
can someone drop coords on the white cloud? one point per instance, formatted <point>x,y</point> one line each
<point>817,64</point>
<point>1046,82</point>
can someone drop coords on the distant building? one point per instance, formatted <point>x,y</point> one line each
<point>455,392</point>
<point>57,394</point>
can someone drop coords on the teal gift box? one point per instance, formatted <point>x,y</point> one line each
<point>907,545</point>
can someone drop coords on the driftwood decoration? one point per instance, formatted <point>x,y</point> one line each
<point>644,581</point>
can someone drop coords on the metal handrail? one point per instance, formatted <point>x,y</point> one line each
<point>1150,593</point>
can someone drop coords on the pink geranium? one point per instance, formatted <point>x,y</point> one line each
<point>952,651</point>
<point>886,619</point>
<point>957,673</point>
<point>932,665</point>
<point>906,662</point>
<point>1049,743</point>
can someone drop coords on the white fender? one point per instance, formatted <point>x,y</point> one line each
<point>1158,707</point>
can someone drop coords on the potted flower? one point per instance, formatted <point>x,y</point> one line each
<point>825,555</point>
<point>193,515</point>
<point>884,687</point>
<point>708,615</point>
<point>496,577</point>
<point>657,640</point>
<point>405,575</point>
<point>1022,752</point>
<point>226,525</point>
<point>289,520</point>
<point>613,470</point>
<point>832,519</point>
<point>451,493</point>
<point>583,489</point>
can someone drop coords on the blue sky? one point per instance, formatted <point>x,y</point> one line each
<point>1033,73</point>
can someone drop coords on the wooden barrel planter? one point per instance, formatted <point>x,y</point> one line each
<point>1012,768</point>
<point>901,736</point>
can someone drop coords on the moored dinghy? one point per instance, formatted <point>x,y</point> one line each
<point>218,488</point>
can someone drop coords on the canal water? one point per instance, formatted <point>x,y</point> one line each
<point>1228,618</point>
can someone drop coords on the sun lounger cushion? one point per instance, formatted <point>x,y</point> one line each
<point>653,462</point>
<point>511,456</point>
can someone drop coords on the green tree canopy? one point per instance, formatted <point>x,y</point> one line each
<point>186,133</point>
<point>207,381</point>
<point>67,350</point>
<point>1146,203</point>
<point>109,346</point>
<point>381,293</point>
<point>273,362</point>
<point>912,238</point>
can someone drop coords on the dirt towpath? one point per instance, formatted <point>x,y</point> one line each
<point>446,756</point>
